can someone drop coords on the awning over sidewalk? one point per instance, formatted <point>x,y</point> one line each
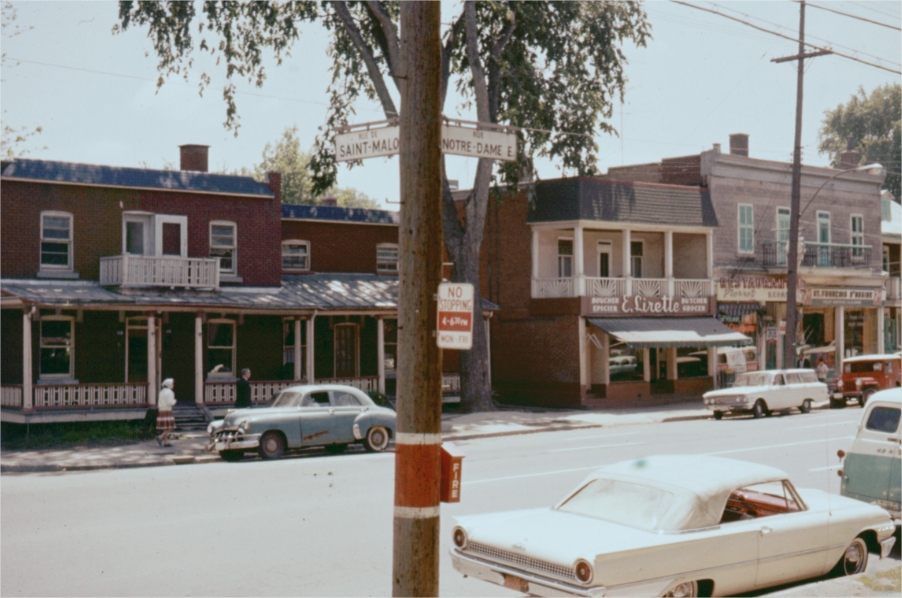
<point>651,333</point>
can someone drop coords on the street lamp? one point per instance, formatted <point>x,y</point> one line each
<point>792,275</point>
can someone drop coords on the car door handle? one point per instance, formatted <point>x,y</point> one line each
<point>765,530</point>
<point>892,439</point>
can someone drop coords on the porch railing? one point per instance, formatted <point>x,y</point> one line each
<point>693,288</point>
<point>68,396</point>
<point>606,287</point>
<point>159,271</point>
<point>450,384</point>
<point>893,288</point>
<point>11,396</point>
<point>223,393</point>
<point>622,287</point>
<point>547,288</point>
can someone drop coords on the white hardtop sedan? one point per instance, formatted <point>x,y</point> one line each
<point>763,392</point>
<point>677,525</point>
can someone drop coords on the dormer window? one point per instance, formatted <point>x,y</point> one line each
<point>224,245</point>
<point>56,241</point>
<point>387,258</point>
<point>295,255</point>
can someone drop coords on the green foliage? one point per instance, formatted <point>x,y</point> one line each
<point>874,123</point>
<point>14,139</point>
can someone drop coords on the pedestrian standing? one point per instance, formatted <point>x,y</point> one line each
<point>165,420</point>
<point>243,390</point>
<point>822,370</point>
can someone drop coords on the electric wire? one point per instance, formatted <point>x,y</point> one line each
<point>845,14</point>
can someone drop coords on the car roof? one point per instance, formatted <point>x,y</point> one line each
<point>892,395</point>
<point>875,357</point>
<point>321,388</point>
<point>700,483</point>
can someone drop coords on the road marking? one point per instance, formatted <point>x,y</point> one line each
<point>772,446</point>
<point>826,468</point>
<point>530,475</point>
<point>597,446</point>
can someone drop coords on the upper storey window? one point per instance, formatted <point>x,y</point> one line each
<point>224,245</point>
<point>56,241</point>
<point>564,258</point>
<point>387,258</point>
<point>295,255</point>
<point>746,229</point>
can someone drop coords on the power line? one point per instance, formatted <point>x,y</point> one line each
<point>810,45</point>
<point>845,14</point>
<point>879,12</point>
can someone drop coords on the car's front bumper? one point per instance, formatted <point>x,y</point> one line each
<point>886,546</point>
<point>233,440</point>
<point>516,579</point>
<point>729,405</point>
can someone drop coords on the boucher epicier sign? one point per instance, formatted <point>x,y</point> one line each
<point>478,140</point>
<point>455,315</point>
<point>637,306</point>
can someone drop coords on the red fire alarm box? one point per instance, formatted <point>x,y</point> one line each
<point>452,462</point>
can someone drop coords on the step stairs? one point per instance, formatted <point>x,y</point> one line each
<point>189,417</point>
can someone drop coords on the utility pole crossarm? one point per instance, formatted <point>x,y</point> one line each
<point>802,56</point>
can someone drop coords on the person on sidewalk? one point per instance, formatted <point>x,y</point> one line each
<point>165,419</point>
<point>243,390</point>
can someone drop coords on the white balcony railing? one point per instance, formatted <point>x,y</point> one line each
<point>693,288</point>
<point>223,393</point>
<point>11,396</point>
<point>606,287</point>
<point>67,396</point>
<point>159,271</point>
<point>893,288</point>
<point>547,288</point>
<point>622,287</point>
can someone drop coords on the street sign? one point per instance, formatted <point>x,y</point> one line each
<point>455,316</point>
<point>485,142</point>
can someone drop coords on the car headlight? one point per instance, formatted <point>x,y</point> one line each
<point>583,571</point>
<point>858,382</point>
<point>460,537</point>
<point>839,383</point>
<point>243,426</point>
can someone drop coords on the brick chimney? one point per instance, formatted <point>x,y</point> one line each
<point>273,180</point>
<point>850,158</point>
<point>328,201</point>
<point>739,144</point>
<point>194,157</point>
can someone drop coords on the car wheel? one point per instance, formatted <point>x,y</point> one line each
<point>686,589</point>
<point>806,406</point>
<point>272,445</point>
<point>231,456</point>
<point>718,415</point>
<point>376,439</point>
<point>865,396</point>
<point>758,411</point>
<point>854,559</point>
<point>336,449</point>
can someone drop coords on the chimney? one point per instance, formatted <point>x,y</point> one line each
<point>739,144</point>
<point>329,200</point>
<point>194,157</point>
<point>273,180</point>
<point>850,158</point>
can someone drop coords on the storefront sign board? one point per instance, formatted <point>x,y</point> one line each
<point>834,297</point>
<point>636,306</point>
<point>751,288</point>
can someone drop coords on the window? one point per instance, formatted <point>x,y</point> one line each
<point>221,348</point>
<point>782,235</point>
<point>288,343</point>
<point>295,255</point>
<point>564,258</point>
<point>883,419</point>
<point>57,343</point>
<point>344,399</point>
<point>886,258</point>
<point>746,228</point>
<point>390,344</point>
<point>56,240</point>
<point>823,239</point>
<point>637,249</point>
<point>223,244</point>
<point>604,259</point>
<point>857,235</point>
<point>347,357</point>
<point>387,258</point>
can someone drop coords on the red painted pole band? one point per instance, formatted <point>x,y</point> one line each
<point>416,481</point>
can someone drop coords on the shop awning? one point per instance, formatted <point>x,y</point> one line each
<point>650,333</point>
<point>740,310</point>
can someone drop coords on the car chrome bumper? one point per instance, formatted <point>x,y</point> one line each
<point>233,441</point>
<point>536,586</point>
<point>886,546</point>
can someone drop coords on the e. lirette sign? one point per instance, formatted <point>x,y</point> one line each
<point>384,140</point>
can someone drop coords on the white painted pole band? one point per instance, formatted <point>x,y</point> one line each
<point>413,438</point>
<point>417,512</point>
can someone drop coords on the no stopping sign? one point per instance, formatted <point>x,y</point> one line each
<point>455,315</point>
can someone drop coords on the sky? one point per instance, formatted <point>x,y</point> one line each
<point>701,78</point>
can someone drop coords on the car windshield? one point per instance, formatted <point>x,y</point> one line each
<point>287,399</point>
<point>621,502</point>
<point>859,367</point>
<point>753,379</point>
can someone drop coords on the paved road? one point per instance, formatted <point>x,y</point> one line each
<point>322,525</point>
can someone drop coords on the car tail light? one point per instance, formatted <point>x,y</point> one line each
<point>460,537</point>
<point>583,571</point>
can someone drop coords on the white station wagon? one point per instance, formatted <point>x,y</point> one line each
<point>762,393</point>
<point>676,525</point>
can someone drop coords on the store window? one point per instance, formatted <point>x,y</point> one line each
<point>625,363</point>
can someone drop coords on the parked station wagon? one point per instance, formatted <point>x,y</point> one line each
<point>327,415</point>
<point>763,392</point>
<point>864,375</point>
<point>674,525</point>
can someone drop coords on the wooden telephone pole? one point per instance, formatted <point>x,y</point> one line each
<point>792,261</point>
<point>415,568</point>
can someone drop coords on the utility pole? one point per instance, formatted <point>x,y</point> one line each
<point>415,567</point>
<point>792,261</point>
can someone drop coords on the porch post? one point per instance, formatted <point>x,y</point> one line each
<point>578,270</point>
<point>646,365</point>
<point>380,352</point>
<point>583,357</point>
<point>627,262</point>
<point>605,360</point>
<point>297,348</point>
<point>199,358</point>
<point>310,362</point>
<point>151,358</point>
<point>27,351</point>
<point>839,328</point>
<point>712,364</point>
<point>671,363</point>
<point>668,261</point>
<point>709,242</point>
<point>881,346</point>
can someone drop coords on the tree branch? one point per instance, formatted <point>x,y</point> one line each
<point>495,65</point>
<point>390,44</point>
<point>480,89</point>
<point>388,105</point>
<point>447,50</point>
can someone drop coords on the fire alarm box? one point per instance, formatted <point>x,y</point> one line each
<point>452,463</point>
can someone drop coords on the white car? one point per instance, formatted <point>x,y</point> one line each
<point>677,525</point>
<point>761,393</point>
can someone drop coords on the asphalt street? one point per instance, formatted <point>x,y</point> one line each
<point>321,525</point>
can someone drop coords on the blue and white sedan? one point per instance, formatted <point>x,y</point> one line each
<point>328,415</point>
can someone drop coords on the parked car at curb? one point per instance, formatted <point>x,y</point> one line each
<point>328,415</point>
<point>872,469</point>
<point>864,375</point>
<point>763,392</point>
<point>675,525</point>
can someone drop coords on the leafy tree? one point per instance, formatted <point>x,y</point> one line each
<point>548,68</point>
<point>13,140</point>
<point>873,125</point>
<point>287,157</point>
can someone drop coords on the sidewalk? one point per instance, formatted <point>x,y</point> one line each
<point>188,447</point>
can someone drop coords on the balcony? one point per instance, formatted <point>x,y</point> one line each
<point>159,271</point>
<point>819,255</point>
<point>546,288</point>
